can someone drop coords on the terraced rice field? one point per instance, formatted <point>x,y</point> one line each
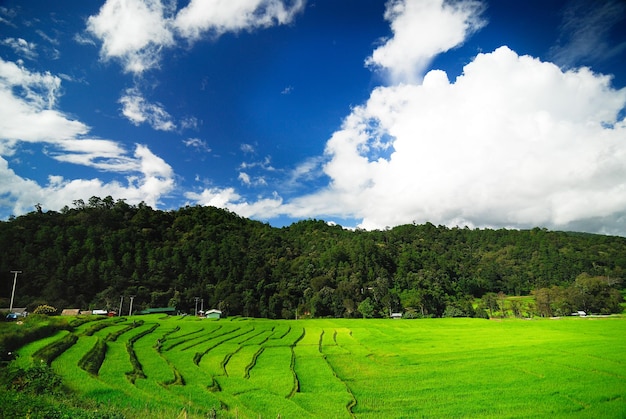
<point>152,366</point>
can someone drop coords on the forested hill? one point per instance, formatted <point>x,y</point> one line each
<point>91,255</point>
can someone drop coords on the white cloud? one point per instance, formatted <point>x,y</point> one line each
<point>512,142</point>
<point>585,32</point>
<point>153,179</point>
<point>138,111</point>
<point>27,101</point>
<point>132,31</point>
<point>247,148</point>
<point>197,144</point>
<point>136,31</point>
<point>22,47</point>
<point>220,16</point>
<point>227,198</point>
<point>190,122</point>
<point>244,178</point>
<point>421,30</point>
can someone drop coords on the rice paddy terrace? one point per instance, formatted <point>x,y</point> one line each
<point>152,366</point>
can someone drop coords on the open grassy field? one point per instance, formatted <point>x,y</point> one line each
<point>152,366</point>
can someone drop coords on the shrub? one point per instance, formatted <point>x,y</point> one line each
<point>45,309</point>
<point>39,379</point>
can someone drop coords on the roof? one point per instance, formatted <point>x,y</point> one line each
<point>20,310</point>
<point>157,310</point>
<point>70,312</point>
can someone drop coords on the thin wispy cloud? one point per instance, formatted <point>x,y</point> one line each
<point>21,47</point>
<point>197,144</point>
<point>585,32</point>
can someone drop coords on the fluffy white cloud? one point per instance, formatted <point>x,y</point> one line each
<point>512,142</point>
<point>138,111</point>
<point>27,101</point>
<point>228,198</point>
<point>151,179</point>
<point>132,31</point>
<point>135,31</point>
<point>421,30</point>
<point>220,16</point>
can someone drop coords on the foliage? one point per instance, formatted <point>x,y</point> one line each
<point>587,293</point>
<point>45,309</point>
<point>37,380</point>
<point>91,255</point>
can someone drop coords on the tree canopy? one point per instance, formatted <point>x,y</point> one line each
<point>93,254</point>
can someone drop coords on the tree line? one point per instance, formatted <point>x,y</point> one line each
<point>96,254</point>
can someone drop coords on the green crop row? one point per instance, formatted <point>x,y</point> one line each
<point>112,337</point>
<point>356,368</point>
<point>50,352</point>
<point>101,325</point>
<point>92,360</point>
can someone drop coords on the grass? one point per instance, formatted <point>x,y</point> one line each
<point>251,368</point>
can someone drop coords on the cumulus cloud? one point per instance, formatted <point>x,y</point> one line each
<point>514,141</point>
<point>27,103</point>
<point>135,32</point>
<point>138,111</point>
<point>421,30</point>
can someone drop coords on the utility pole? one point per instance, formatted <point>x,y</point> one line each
<point>13,292</point>
<point>130,312</point>
<point>119,313</point>
<point>202,306</point>
<point>196,299</point>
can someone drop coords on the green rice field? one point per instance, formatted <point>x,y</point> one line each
<point>186,367</point>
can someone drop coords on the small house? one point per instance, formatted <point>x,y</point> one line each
<point>70,312</point>
<point>396,315</point>
<point>213,314</point>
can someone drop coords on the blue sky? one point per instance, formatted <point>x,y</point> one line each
<point>365,113</point>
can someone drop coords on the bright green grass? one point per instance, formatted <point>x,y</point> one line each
<point>25,353</point>
<point>435,368</point>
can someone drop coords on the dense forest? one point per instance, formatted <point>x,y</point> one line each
<point>97,252</point>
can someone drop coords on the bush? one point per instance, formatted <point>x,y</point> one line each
<point>39,379</point>
<point>45,309</point>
